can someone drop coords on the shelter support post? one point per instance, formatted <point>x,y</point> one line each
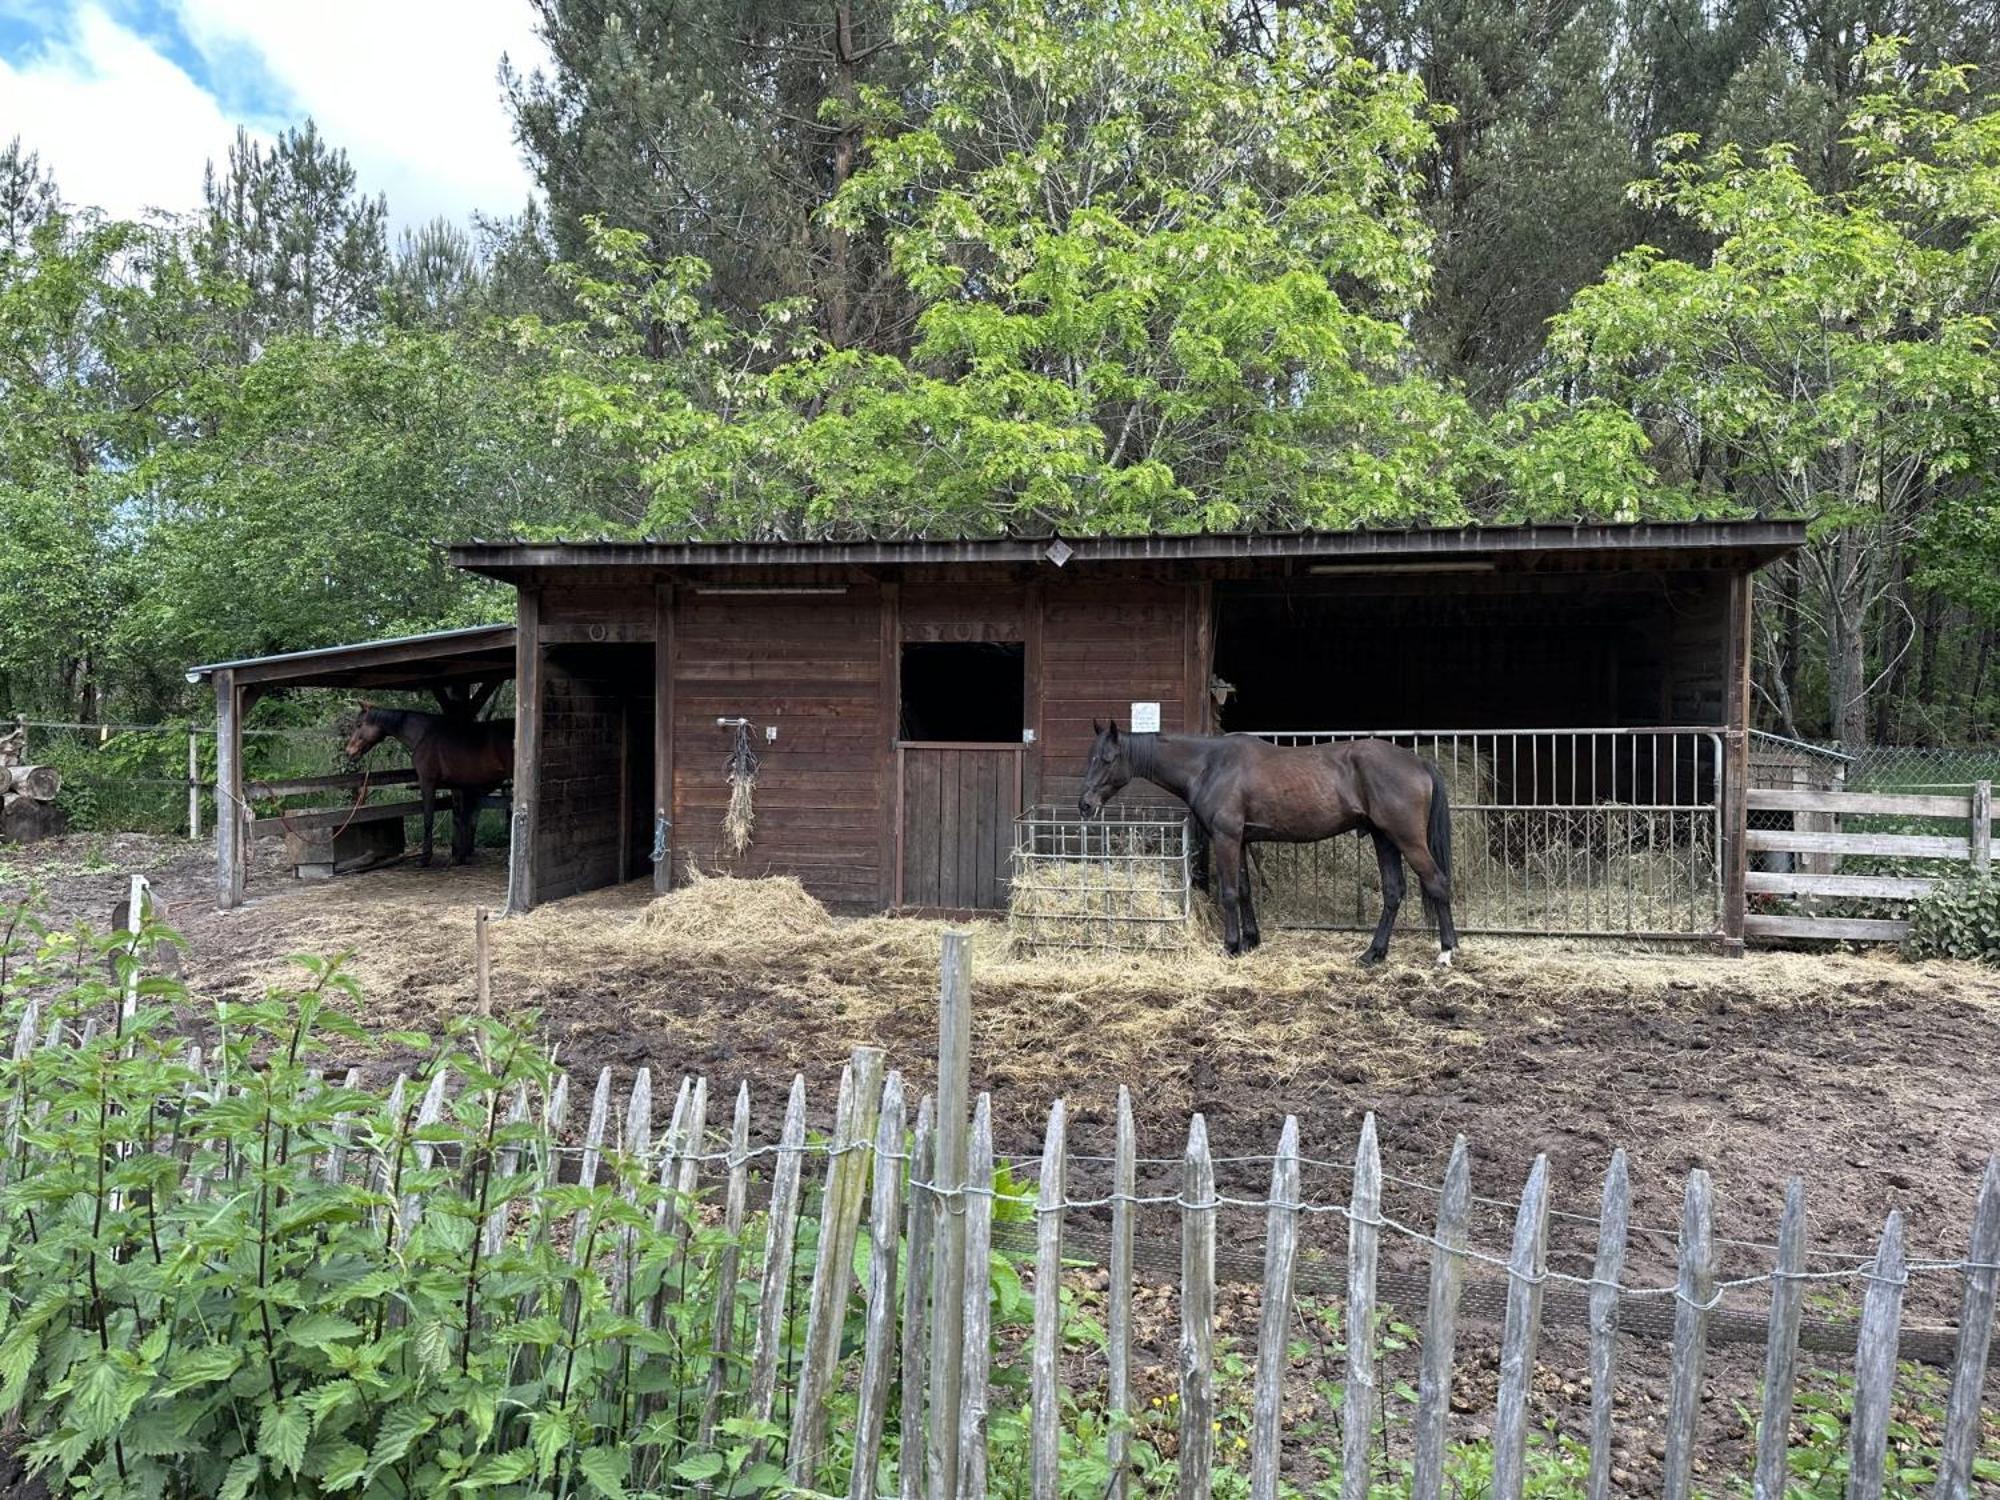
<point>527,750</point>
<point>231,834</point>
<point>664,664</point>
<point>1735,767</point>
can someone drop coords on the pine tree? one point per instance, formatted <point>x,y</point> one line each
<point>718,129</point>
<point>28,197</point>
<point>290,224</point>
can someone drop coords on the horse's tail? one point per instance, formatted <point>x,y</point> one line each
<point>1439,838</point>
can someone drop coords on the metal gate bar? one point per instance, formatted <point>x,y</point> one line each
<point>1583,832</point>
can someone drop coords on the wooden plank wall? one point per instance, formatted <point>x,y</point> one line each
<point>1697,658</point>
<point>1103,647</point>
<point>813,666</point>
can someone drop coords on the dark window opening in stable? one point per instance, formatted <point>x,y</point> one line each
<point>964,692</point>
<point>1466,654</point>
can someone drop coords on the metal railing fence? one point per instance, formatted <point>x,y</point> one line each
<point>1584,832</point>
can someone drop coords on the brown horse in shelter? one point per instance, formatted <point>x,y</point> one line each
<point>1244,790</point>
<point>466,757</point>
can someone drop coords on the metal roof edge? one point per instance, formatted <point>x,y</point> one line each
<point>330,653</point>
<point>1578,536</point>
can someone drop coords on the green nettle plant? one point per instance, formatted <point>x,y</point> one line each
<point>246,1280</point>
<point>1960,918</point>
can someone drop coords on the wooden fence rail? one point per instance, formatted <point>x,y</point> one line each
<point>1816,841</point>
<point>910,1342</point>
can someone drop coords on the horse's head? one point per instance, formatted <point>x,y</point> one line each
<point>370,729</point>
<point>1108,771</point>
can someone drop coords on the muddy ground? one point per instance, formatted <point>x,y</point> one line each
<point>1873,1078</point>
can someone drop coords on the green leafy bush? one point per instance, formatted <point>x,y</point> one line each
<point>246,1279</point>
<point>1958,919</point>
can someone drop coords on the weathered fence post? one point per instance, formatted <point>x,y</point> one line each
<point>1694,1299</point>
<point>1281,1244</point>
<point>1441,1327</point>
<point>1197,1432</point>
<point>1613,1214</point>
<point>1118,1315</point>
<point>1982,827</point>
<point>839,1228</point>
<point>948,1275</point>
<point>194,784</point>
<point>922,1215</point>
<point>1781,1347</point>
<point>736,1199</point>
<point>1364,1237</point>
<point>976,1321</point>
<point>879,1347</point>
<point>1045,1406</point>
<point>1975,1337</point>
<point>1875,1364</point>
<point>1526,1269</point>
<point>781,1225</point>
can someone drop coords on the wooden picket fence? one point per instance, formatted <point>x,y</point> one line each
<point>923,1369</point>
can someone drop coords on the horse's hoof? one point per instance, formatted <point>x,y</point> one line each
<point>1252,941</point>
<point>1369,958</point>
<point>1444,957</point>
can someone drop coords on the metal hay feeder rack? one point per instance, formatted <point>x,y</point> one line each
<point>1120,882</point>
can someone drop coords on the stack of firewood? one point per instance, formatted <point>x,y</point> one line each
<point>28,808</point>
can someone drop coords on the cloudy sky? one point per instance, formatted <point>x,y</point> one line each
<point>127,99</point>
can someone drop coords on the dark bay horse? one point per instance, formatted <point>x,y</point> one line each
<point>467,757</point>
<point>1244,790</point>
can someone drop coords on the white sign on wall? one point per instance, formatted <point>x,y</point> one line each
<point>1145,718</point>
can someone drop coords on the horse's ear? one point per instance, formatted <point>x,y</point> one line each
<point>1112,730</point>
<point>1095,727</point>
<point>367,706</point>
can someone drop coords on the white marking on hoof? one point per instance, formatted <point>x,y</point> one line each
<point>1444,958</point>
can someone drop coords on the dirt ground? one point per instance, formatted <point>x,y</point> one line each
<point>1873,1078</point>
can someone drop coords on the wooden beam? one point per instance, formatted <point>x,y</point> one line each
<point>1835,929</point>
<point>1735,768</point>
<point>1035,672</point>
<point>888,760</point>
<point>527,749</point>
<point>301,785</point>
<point>1893,804</point>
<point>1908,845</point>
<point>666,655</point>
<point>229,809</point>
<point>1885,887</point>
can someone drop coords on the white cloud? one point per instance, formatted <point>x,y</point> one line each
<point>408,87</point>
<point>122,127</point>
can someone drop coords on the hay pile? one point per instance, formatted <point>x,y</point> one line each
<point>720,913</point>
<point>1136,905</point>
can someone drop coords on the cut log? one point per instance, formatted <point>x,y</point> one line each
<point>13,745</point>
<point>24,820</point>
<point>40,782</point>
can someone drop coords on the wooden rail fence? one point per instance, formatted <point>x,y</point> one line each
<point>1817,841</point>
<point>922,1371</point>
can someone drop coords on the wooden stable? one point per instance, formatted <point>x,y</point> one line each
<point>908,699</point>
<point>458,667</point>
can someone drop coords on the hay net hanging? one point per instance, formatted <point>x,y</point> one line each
<point>741,767</point>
